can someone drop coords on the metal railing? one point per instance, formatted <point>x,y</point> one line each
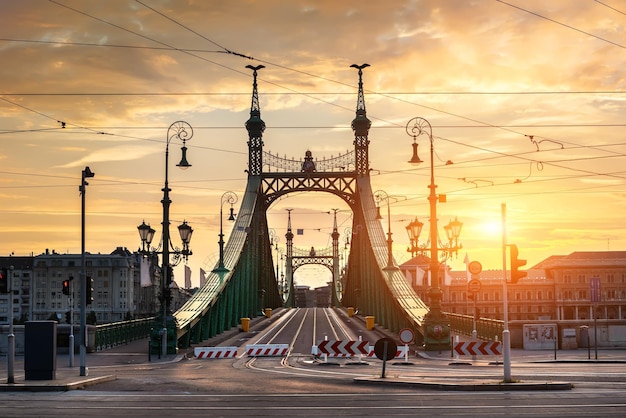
<point>117,333</point>
<point>486,329</point>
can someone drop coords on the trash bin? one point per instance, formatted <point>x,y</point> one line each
<point>245,324</point>
<point>369,322</point>
<point>40,350</point>
<point>350,312</point>
<point>268,312</point>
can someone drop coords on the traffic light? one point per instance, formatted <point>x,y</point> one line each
<point>66,287</point>
<point>68,317</point>
<point>4,281</point>
<point>89,290</point>
<point>516,263</point>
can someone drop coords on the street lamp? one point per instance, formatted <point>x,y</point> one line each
<point>436,328</point>
<point>86,173</point>
<point>231,198</point>
<point>183,131</point>
<point>381,196</point>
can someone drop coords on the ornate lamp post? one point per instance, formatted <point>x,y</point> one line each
<point>436,328</point>
<point>380,196</point>
<point>231,198</point>
<point>183,131</point>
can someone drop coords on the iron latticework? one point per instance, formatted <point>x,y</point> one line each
<point>361,127</point>
<point>255,127</point>
<point>341,163</point>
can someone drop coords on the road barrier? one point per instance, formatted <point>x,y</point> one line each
<point>339,348</point>
<point>478,348</point>
<point>215,352</point>
<point>267,350</point>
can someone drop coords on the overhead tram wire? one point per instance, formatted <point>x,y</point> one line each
<point>241,55</point>
<point>610,7</point>
<point>562,24</point>
<point>337,82</point>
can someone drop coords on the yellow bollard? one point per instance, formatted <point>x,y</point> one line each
<point>245,324</point>
<point>268,312</point>
<point>350,312</point>
<point>369,323</point>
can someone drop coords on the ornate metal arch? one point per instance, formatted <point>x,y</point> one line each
<point>275,185</point>
<point>321,260</point>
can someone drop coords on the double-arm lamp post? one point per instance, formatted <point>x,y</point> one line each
<point>436,327</point>
<point>231,198</point>
<point>182,131</point>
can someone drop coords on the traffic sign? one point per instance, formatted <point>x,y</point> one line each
<point>475,267</point>
<point>407,336</point>
<point>474,286</point>
<point>385,349</point>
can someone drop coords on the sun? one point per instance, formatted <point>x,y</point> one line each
<point>491,228</point>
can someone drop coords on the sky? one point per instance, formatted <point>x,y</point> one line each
<point>525,98</point>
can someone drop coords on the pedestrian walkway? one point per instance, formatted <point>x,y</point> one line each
<point>99,364</point>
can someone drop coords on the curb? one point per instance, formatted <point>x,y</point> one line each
<point>473,387</point>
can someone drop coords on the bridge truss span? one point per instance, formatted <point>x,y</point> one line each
<point>248,283</point>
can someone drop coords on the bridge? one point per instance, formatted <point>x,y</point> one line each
<point>248,283</point>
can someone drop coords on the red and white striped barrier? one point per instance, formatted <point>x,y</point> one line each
<point>215,352</point>
<point>478,348</point>
<point>340,348</point>
<point>267,350</point>
<point>401,352</point>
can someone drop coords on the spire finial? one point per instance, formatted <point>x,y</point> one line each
<point>255,93</point>
<point>360,105</point>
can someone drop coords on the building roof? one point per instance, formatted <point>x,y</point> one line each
<point>586,259</point>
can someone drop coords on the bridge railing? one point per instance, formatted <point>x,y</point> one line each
<point>116,333</point>
<point>343,162</point>
<point>486,329</point>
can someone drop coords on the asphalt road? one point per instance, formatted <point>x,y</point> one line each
<point>301,385</point>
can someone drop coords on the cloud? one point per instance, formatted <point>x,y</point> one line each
<point>117,153</point>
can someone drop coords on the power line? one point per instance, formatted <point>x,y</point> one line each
<point>563,24</point>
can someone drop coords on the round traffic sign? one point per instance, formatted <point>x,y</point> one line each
<point>474,286</point>
<point>406,336</point>
<point>385,349</point>
<point>475,267</point>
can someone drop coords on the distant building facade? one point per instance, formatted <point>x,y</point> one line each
<point>558,288</point>
<point>120,290</point>
<point>20,288</point>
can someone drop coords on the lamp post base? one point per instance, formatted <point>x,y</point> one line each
<point>158,333</point>
<point>436,331</point>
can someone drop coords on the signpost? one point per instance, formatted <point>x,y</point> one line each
<point>385,349</point>
<point>473,287</point>
<point>406,337</point>
<point>596,298</point>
